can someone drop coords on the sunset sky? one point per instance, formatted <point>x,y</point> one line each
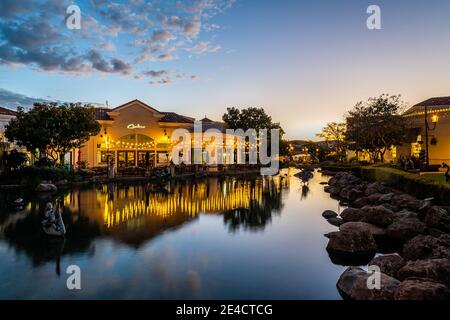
<point>305,62</point>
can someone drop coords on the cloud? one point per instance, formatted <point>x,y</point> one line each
<point>162,36</point>
<point>115,36</point>
<point>12,100</point>
<point>155,74</point>
<point>203,48</point>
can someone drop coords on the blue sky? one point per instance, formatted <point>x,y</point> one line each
<point>305,62</point>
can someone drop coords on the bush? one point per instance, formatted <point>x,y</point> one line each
<point>33,175</point>
<point>15,159</point>
<point>414,184</point>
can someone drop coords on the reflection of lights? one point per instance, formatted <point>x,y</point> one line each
<point>243,195</point>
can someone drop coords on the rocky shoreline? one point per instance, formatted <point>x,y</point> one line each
<point>406,238</point>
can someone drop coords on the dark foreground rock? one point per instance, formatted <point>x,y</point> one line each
<point>435,269</point>
<point>420,289</point>
<point>427,246</point>
<point>335,221</point>
<point>363,226</point>
<point>354,247</point>
<point>353,284</point>
<point>327,214</point>
<point>405,228</point>
<point>388,264</point>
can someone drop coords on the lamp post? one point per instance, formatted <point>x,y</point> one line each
<point>434,120</point>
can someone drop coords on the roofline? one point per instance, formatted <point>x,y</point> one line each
<point>134,101</point>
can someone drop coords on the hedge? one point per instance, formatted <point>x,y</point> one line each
<point>414,184</point>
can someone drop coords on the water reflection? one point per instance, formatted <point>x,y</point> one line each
<point>134,214</point>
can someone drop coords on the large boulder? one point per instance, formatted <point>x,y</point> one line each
<point>360,202</point>
<point>405,214</point>
<point>374,198</point>
<point>364,227</point>
<point>355,243</point>
<point>389,263</point>
<point>335,221</point>
<point>46,187</point>
<point>352,214</point>
<point>386,198</point>
<point>438,217</point>
<point>404,201</point>
<point>354,194</point>
<point>354,284</point>
<point>405,228</point>
<point>378,215</point>
<point>375,187</point>
<point>327,214</point>
<point>427,246</point>
<point>420,289</point>
<point>435,269</point>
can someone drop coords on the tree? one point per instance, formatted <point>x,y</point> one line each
<point>376,125</point>
<point>53,129</point>
<point>334,134</point>
<point>250,118</point>
<point>15,159</point>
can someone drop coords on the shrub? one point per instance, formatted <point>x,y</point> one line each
<point>414,184</point>
<point>33,175</point>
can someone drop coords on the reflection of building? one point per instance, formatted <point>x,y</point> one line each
<point>137,213</point>
<point>438,110</point>
<point>135,134</point>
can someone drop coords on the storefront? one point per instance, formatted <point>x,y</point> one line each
<point>132,135</point>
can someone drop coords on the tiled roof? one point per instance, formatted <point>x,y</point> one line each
<point>175,118</point>
<point>432,104</point>
<point>221,126</point>
<point>7,112</point>
<point>101,114</point>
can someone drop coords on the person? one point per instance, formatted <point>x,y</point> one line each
<point>447,173</point>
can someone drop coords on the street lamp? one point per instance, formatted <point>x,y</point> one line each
<point>434,120</point>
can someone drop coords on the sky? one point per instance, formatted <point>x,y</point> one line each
<point>305,62</point>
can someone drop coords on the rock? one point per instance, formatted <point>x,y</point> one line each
<point>378,215</point>
<point>437,217</point>
<point>352,214</point>
<point>424,247</point>
<point>375,187</point>
<point>330,234</point>
<point>373,198</point>
<point>327,189</point>
<point>388,264</point>
<point>420,289</point>
<point>327,214</point>
<point>361,202</point>
<point>355,194</point>
<point>385,198</point>
<point>46,187</point>
<point>403,200</point>
<point>352,242</point>
<point>435,269</point>
<point>363,226</point>
<point>353,284</point>
<point>334,191</point>
<point>335,221</point>
<point>405,228</point>
<point>405,214</point>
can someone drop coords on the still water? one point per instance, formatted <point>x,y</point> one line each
<point>215,238</point>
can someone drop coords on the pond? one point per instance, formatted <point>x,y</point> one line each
<point>214,238</point>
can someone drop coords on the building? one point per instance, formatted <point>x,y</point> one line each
<point>134,134</point>
<point>438,118</point>
<point>5,116</point>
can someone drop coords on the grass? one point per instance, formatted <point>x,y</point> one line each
<point>420,186</point>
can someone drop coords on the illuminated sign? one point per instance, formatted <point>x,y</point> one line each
<point>135,126</point>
